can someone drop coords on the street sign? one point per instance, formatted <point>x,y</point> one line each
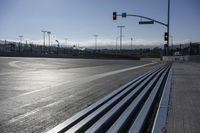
<point>146,22</point>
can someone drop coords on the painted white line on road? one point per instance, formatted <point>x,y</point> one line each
<point>15,119</point>
<point>14,64</point>
<point>45,99</point>
<point>20,117</point>
<point>44,88</point>
<point>85,80</point>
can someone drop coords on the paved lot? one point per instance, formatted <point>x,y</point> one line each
<point>184,112</point>
<point>36,94</point>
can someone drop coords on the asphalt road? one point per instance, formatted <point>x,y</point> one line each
<point>36,94</point>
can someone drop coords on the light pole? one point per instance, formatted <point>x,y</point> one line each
<point>66,41</point>
<point>120,27</point>
<point>49,35</point>
<point>95,39</point>
<point>20,42</point>
<point>44,36</point>
<point>131,43</point>
<point>20,38</point>
<point>58,45</point>
<point>116,42</point>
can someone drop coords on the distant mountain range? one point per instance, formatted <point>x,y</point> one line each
<point>125,46</point>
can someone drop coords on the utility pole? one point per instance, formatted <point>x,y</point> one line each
<point>95,38</point>
<point>120,27</point>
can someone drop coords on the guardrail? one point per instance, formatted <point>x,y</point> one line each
<point>135,107</point>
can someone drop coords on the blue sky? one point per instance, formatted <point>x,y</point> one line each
<point>79,20</point>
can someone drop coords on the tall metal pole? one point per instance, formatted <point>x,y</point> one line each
<point>131,43</point>
<point>20,42</point>
<point>120,38</point>
<point>49,33</point>
<point>95,36</point>
<point>20,38</point>
<point>44,37</point>
<point>66,41</point>
<point>116,42</point>
<point>168,23</point>
<point>120,27</point>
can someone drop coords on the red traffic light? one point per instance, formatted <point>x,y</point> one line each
<point>114,15</point>
<point>166,36</point>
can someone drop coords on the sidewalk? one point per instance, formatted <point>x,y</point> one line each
<point>184,111</point>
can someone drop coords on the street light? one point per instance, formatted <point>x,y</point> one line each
<point>43,36</point>
<point>131,43</point>
<point>95,39</point>
<point>20,42</point>
<point>49,33</point>
<point>20,38</point>
<point>120,27</point>
<point>66,41</point>
<point>116,42</point>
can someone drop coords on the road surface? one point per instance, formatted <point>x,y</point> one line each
<point>36,94</point>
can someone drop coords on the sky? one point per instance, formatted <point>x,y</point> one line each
<point>80,20</point>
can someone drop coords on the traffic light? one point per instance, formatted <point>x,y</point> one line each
<point>114,15</point>
<point>166,36</point>
<point>124,15</point>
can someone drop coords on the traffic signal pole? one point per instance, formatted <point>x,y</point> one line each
<point>150,21</point>
<point>168,22</point>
